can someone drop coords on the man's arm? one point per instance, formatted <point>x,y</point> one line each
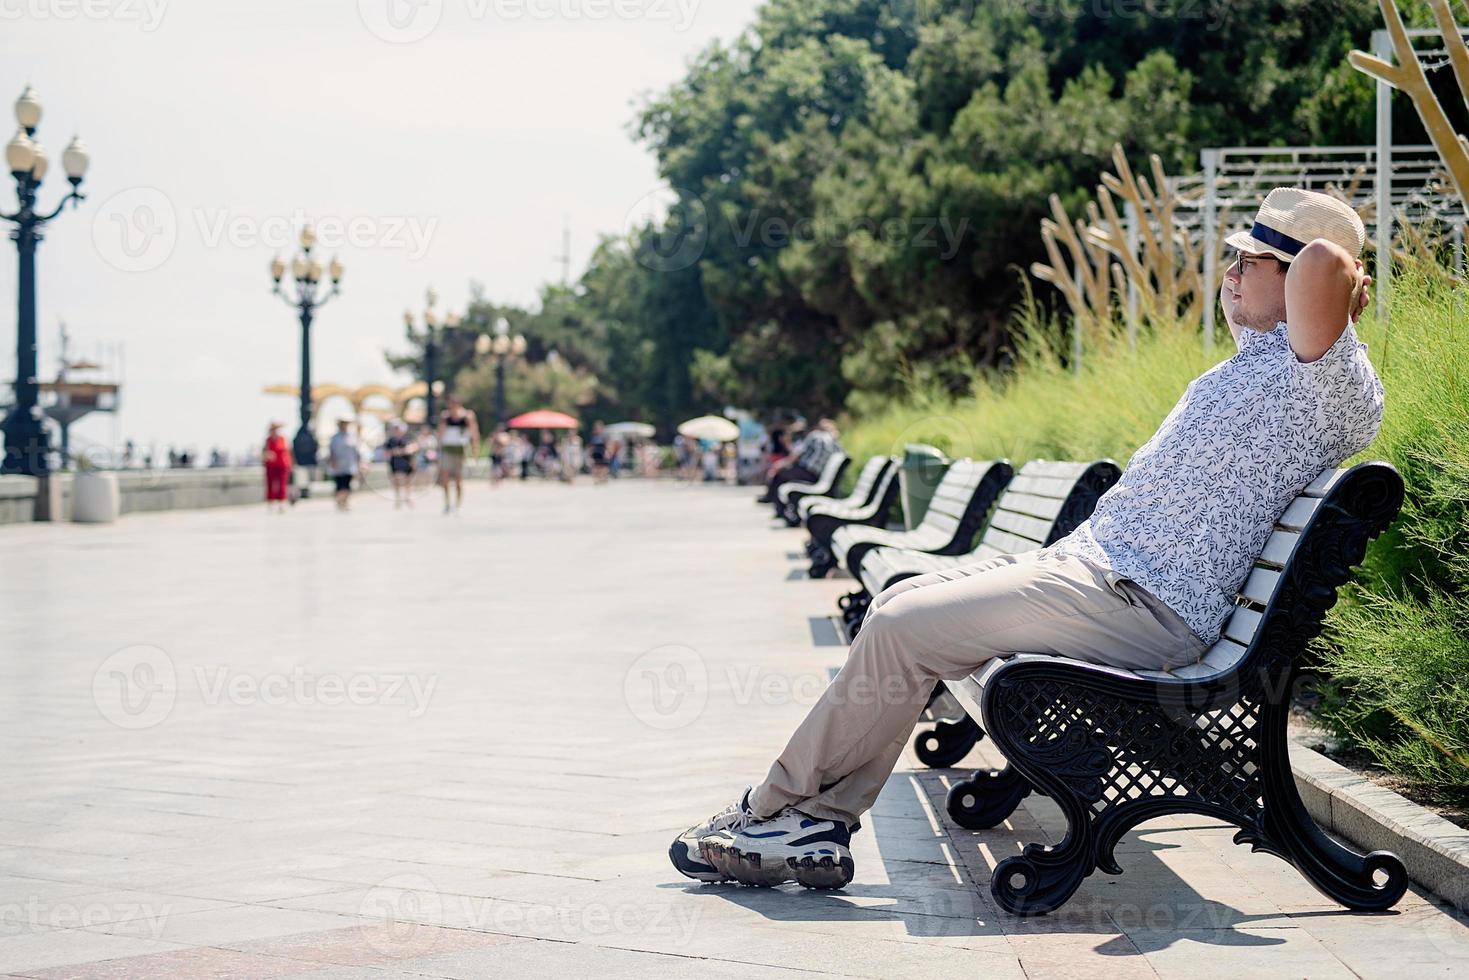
<point>1324,288</point>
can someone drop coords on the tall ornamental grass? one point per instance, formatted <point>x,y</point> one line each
<point>1397,644</point>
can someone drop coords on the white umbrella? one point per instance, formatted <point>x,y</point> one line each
<point>714,427</point>
<point>631,430</point>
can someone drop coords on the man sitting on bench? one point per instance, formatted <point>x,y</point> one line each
<point>806,460</point>
<point>1145,584</point>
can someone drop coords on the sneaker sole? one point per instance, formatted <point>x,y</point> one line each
<point>772,867</point>
<point>686,866</point>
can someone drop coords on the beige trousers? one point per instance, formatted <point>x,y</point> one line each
<point>944,625</point>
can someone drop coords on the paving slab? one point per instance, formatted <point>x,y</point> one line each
<point>399,743</point>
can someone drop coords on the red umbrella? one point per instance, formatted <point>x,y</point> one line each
<point>544,419</point>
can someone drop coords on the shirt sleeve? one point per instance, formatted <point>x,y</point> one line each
<point>1345,393</point>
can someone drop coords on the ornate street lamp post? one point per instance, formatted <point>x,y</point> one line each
<point>311,293</point>
<point>432,336</point>
<point>27,447</point>
<point>502,347</point>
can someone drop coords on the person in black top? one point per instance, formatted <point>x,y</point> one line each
<point>401,453</point>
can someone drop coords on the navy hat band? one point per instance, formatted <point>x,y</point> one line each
<point>1269,236</point>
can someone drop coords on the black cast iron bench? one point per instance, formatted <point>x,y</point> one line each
<point>1114,747</point>
<point>824,519</point>
<point>788,495</point>
<point>960,503</point>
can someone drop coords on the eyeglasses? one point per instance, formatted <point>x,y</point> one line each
<point>1243,260</point>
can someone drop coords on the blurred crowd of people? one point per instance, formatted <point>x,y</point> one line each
<point>418,457</point>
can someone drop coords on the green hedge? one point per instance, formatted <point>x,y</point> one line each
<point>1397,645</point>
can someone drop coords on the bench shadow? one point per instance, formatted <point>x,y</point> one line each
<point>824,632</point>
<point>934,879</point>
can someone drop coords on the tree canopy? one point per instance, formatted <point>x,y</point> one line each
<point>856,185</point>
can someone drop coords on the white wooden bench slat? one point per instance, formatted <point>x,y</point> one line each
<point>1279,546</point>
<point>1299,512</point>
<point>1260,586</point>
<point>1029,527</point>
<point>1221,656</point>
<point>1042,486</point>
<point>1007,543</point>
<point>1028,503</point>
<point>1242,624</point>
<point>1066,469</point>
<point>983,553</point>
<point>1322,485</point>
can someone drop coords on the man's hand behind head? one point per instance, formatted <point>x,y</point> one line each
<point>1324,289</point>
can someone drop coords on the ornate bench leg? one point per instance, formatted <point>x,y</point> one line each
<point>987,798</point>
<point>821,561</point>
<point>947,742</point>
<point>1041,880</point>
<point>1363,882</point>
<point>854,606</point>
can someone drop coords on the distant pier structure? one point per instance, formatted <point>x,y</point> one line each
<point>83,385</point>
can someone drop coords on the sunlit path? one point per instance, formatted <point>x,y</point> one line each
<point>403,743</point>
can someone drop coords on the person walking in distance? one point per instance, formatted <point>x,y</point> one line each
<point>345,462</point>
<point>277,459</point>
<point>401,453</point>
<point>458,439</point>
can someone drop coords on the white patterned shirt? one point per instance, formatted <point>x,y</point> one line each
<point>1198,500</point>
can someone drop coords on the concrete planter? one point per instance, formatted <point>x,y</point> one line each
<point>95,498</point>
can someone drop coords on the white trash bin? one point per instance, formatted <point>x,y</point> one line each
<point>95,498</point>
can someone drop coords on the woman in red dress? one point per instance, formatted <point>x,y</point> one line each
<point>277,459</point>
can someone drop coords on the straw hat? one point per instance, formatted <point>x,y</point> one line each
<point>1291,217</point>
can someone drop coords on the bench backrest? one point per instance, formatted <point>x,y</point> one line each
<point>826,480</point>
<point>963,499</point>
<point>867,480</point>
<point>1327,528</point>
<point>870,494</point>
<point>1043,503</point>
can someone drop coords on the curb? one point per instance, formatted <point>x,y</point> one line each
<point>1435,851</point>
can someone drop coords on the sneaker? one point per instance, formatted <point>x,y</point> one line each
<point>790,845</point>
<point>684,852</point>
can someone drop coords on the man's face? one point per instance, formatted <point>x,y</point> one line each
<point>1256,286</point>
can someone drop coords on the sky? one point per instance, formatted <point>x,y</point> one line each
<point>433,143</point>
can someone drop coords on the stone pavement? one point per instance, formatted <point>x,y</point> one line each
<point>399,744</point>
